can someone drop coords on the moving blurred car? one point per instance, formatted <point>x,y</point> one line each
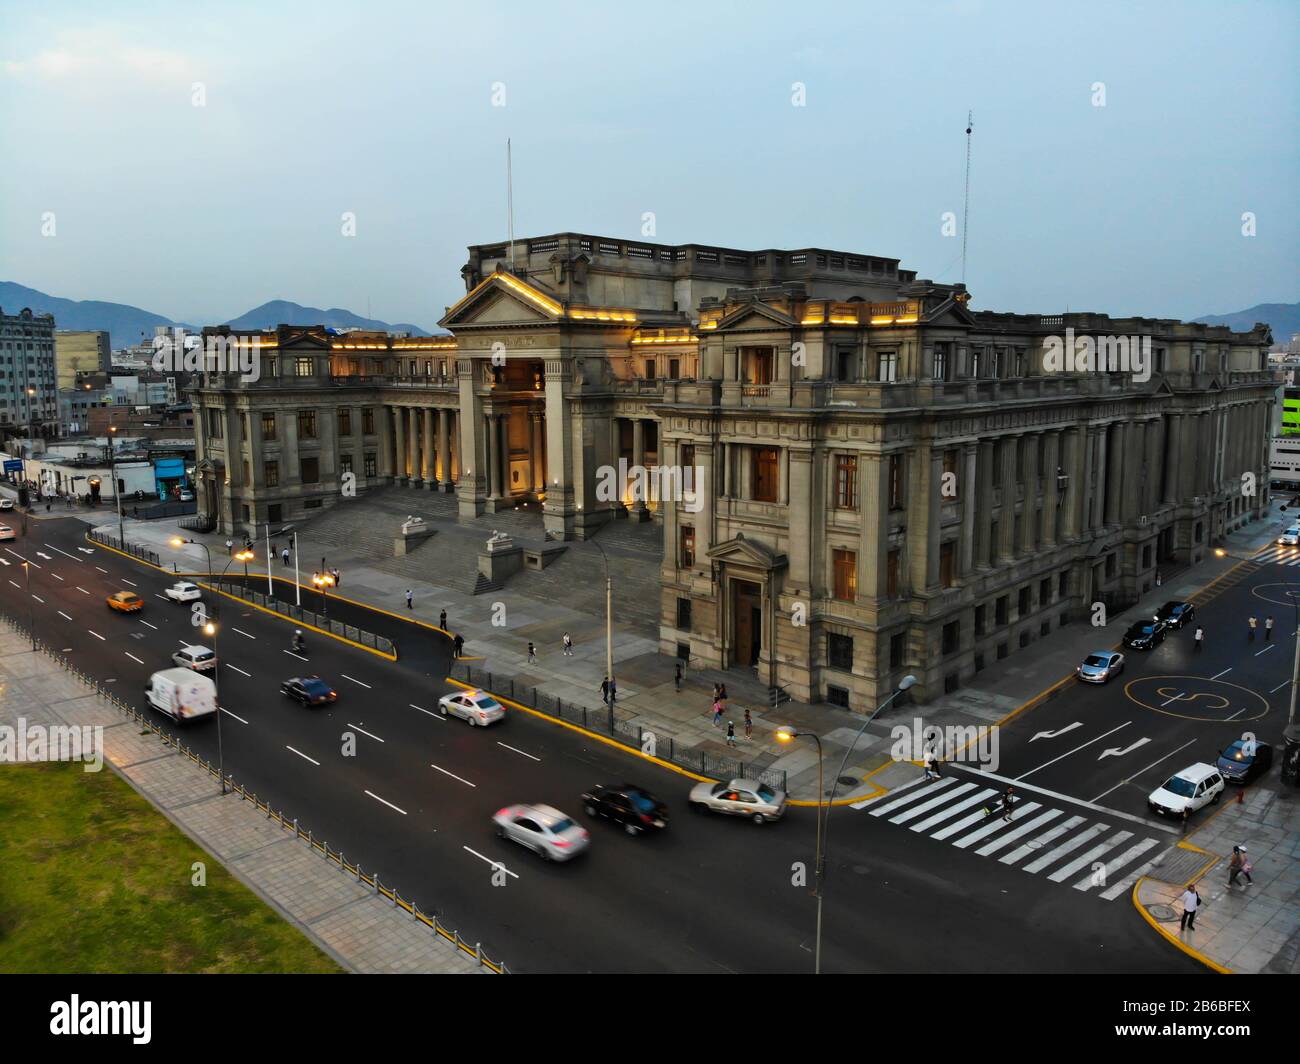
<point>739,797</point>
<point>6,504</point>
<point>309,690</point>
<point>1176,614</point>
<point>1291,537</point>
<point>184,591</point>
<point>200,659</point>
<point>476,707</point>
<point>635,809</point>
<point>1100,666</point>
<point>543,829</point>
<point>1145,635</point>
<point>125,602</point>
<point>1244,760</point>
<point>7,533</point>
<point>1187,791</point>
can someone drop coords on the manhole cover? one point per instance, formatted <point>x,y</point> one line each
<point>1161,911</point>
<point>1034,844</point>
<point>849,781</point>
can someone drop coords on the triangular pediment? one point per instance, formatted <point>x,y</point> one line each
<point>757,316</point>
<point>502,298</point>
<point>749,552</point>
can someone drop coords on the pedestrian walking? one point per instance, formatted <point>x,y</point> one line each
<point>1268,629</point>
<point>604,690</point>
<point>1199,637</point>
<point>1008,801</point>
<point>410,599</point>
<point>284,556</point>
<point>613,692</point>
<point>1191,902</point>
<point>457,645</point>
<point>1253,624</point>
<point>722,693</point>
<point>677,676</point>
<point>931,763</point>
<point>532,653</point>
<point>568,645</point>
<point>731,733</point>
<point>230,546</point>
<point>1239,866</point>
<point>442,619</point>
<point>717,712</point>
<point>749,725</point>
<point>338,577</point>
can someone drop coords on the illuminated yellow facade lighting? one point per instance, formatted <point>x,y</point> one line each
<point>601,314</point>
<point>844,319</point>
<point>882,319</point>
<point>911,319</point>
<point>528,292</point>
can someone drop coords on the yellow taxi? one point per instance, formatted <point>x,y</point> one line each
<point>125,602</point>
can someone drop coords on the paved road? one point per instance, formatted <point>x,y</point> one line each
<point>415,804</point>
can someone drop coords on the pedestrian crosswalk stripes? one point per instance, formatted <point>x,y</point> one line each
<point>1040,838</point>
<point>1276,554</point>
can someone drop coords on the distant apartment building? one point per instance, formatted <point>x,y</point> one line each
<point>80,352</point>
<point>882,480</point>
<point>29,398</point>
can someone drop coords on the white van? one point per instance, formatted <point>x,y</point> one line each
<point>182,694</point>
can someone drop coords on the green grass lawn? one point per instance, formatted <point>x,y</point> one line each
<point>94,879</point>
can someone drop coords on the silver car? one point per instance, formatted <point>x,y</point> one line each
<point>748,798</point>
<point>200,659</point>
<point>542,828</point>
<point>476,707</point>
<point>1100,666</point>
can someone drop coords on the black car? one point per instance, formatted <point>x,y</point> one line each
<point>1145,634</point>
<point>1176,614</point>
<point>1241,764</point>
<point>309,690</point>
<point>635,809</point>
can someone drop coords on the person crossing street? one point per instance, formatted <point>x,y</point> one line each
<point>1268,629</point>
<point>1199,637</point>
<point>1252,624</point>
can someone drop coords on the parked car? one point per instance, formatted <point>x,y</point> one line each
<point>6,504</point>
<point>739,797</point>
<point>1145,635</point>
<point>184,591</point>
<point>309,690</point>
<point>543,829</point>
<point>1100,666</point>
<point>200,659</point>
<point>1244,760</point>
<point>630,806</point>
<point>475,707</point>
<point>7,533</point>
<point>1185,792</point>
<point>125,602</point>
<point>1176,614</point>
<point>1290,537</point>
<point>186,495</point>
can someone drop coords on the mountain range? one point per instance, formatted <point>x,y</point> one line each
<point>128,324</point>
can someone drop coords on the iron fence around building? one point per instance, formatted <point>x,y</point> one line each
<point>158,511</point>
<point>604,721</point>
<point>317,620</point>
<point>126,547</point>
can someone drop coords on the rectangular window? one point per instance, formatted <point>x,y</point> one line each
<point>839,651</point>
<point>941,362</point>
<point>846,481</point>
<point>271,474</point>
<point>947,566</point>
<point>951,637</point>
<point>311,470</point>
<point>1023,601</point>
<point>368,420</point>
<point>757,366</point>
<point>370,464</point>
<point>1062,583</point>
<point>980,615</point>
<point>683,614</point>
<point>303,366</point>
<point>766,464</point>
<point>891,574</point>
<point>895,481</point>
<point>846,574</point>
<point>1000,608</point>
<point>888,367</point>
<point>897,649</point>
<point>306,424</point>
<point>650,369</point>
<point>275,512</point>
<point>686,551</point>
<point>268,425</point>
<point>345,463</point>
<point>1045,591</point>
<point>345,421</point>
<point>975,359</point>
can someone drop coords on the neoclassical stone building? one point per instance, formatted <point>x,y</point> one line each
<point>890,482</point>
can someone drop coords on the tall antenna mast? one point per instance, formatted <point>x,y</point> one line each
<point>965,210</point>
<point>510,204</point>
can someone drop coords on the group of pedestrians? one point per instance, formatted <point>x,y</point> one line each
<point>1238,865</point>
<point>719,708</point>
<point>1253,623</point>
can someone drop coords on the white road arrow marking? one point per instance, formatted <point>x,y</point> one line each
<point>1059,731</point>
<point>85,550</point>
<point>47,557</point>
<point>1115,751</point>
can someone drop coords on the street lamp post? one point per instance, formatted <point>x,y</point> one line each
<point>31,610</point>
<point>825,802</point>
<point>117,488</point>
<point>324,581</point>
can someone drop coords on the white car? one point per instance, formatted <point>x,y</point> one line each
<point>6,533</point>
<point>739,797</point>
<point>6,504</point>
<point>1187,791</point>
<point>1291,537</point>
<point>200,659</point>
<point>184,592</point>
<point>476,707</point>
<point>544,829</point>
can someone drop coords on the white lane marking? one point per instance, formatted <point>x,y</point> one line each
<point>238,670</point>
<point>994,823</point>
<point>124,581</point>
<point>133,657</point>
<point>1024,829</point>
<point>951,811</point>
<point>65,553</point>
<point>518,751</point>
<point>364,732</point>
<point>917,810</point>
<point>1039,841</point>
<point>64,616</point>
<point>97,636</point>
<point>389,804</point>
<point>244,634</point>
<point>22,559</point>
<point>358,682</point>
<point>1069,846</point>
<point>1066,871</point>
<point>1269,647</point>
<point>494,864</point>
<point>1105,810</point>
<point>293,655</point>
<point>1115,751</point>
<point>42,601</point>
<point>5,561</point>
<point>1233,717</point>
<point>42,554</point>
<point>83,590</point>
<point>1058,732</point>
<point>454,776</point>
<point>1143,769</point>
<point>1074,751</point>
<point>56,576</point>
<point>1279,687</point>
<point>163,597</point>
<point>435,716</point>
<point>1123,885</point>
<point>17,585</point>
<point>148,625</point>
<point>1111,867</point>
<point>889,807</point>
<point>235,715</point>
<point>1223,673</point>
<point>101,569</point>
<point>303,756</point>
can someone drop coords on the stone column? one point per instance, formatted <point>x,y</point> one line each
<point>399,434</point>
<point>875,527</point>
<point>1173,442</point>
<point>444,447</point>
<point>503,426</point>
<point>1051,488</point>
<point>801,482</point>
<point>1006,546</point>
<point>1029,512</point>
<point>384,428</point>
<point>494,457</point>
<point>983,505</point>
<point>969,501</point>
<point>933,517</point>
<point>1135,456</point>
<point>537,470</point>
<point>1115,477</point>
<point>638,463</point>
<point>429,468</point>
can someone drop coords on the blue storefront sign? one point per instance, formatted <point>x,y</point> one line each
<point>13,465</point>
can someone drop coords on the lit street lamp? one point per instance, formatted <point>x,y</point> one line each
<point>324,581</point>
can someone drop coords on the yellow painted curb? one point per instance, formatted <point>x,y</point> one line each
<point>1195,954</point>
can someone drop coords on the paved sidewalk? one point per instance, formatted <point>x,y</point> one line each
<point>1248,928</point>
<point>647,695</point>
<point>361,930</point>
